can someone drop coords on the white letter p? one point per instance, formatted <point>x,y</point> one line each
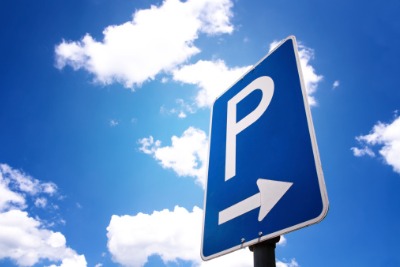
<point>233,127</point>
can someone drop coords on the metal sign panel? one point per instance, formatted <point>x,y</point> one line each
<point>264,172</point>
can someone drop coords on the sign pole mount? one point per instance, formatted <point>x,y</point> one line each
<point>264,253</point>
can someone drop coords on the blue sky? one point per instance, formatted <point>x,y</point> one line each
<point>105,109</point>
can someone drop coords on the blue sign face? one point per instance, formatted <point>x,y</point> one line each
<point>264,172</point>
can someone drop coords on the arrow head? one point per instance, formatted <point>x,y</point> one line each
<point>270,193</point>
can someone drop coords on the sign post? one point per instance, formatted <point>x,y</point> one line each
<point>264,172</point>
<point>264,253</point>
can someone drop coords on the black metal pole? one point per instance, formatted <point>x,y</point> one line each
<point>264,253</point>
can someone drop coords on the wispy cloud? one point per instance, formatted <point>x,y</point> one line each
<point>41,202</point>
<point>363,151</point>
<point>386,136</point>
<point>113,123</point>
<point>335,84</point>
<point>15,186</point>
<point>128,54</point>
<point>24,239</point>
<point>291,263</point>
<point>181,110</point>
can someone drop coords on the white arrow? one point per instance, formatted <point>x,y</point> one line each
<point>270,193</point>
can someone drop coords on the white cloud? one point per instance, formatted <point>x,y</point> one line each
<point>273,45</point>
<point>72,261</point>
<point>335,84</point>
<point>157,39</point>
<point>148,145</point>
<point>282,241</point>
<point>239,258</point>
<point>41,202</point>
<point>113,123</point>
<point>181,110</point>
<point>311,78</point>
<point>387,137</point>
<point>15,185</point>
<point>24,239</point>
<point>359,152</point>
<point>186,155</point>
<point>49,188</point>
<point>172,235</point>
<point>8,198</point>
<point>292,263</point>
<point>19,180</point>
<point>212,77</point>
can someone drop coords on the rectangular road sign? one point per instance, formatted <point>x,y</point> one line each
<point>264,172</point>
